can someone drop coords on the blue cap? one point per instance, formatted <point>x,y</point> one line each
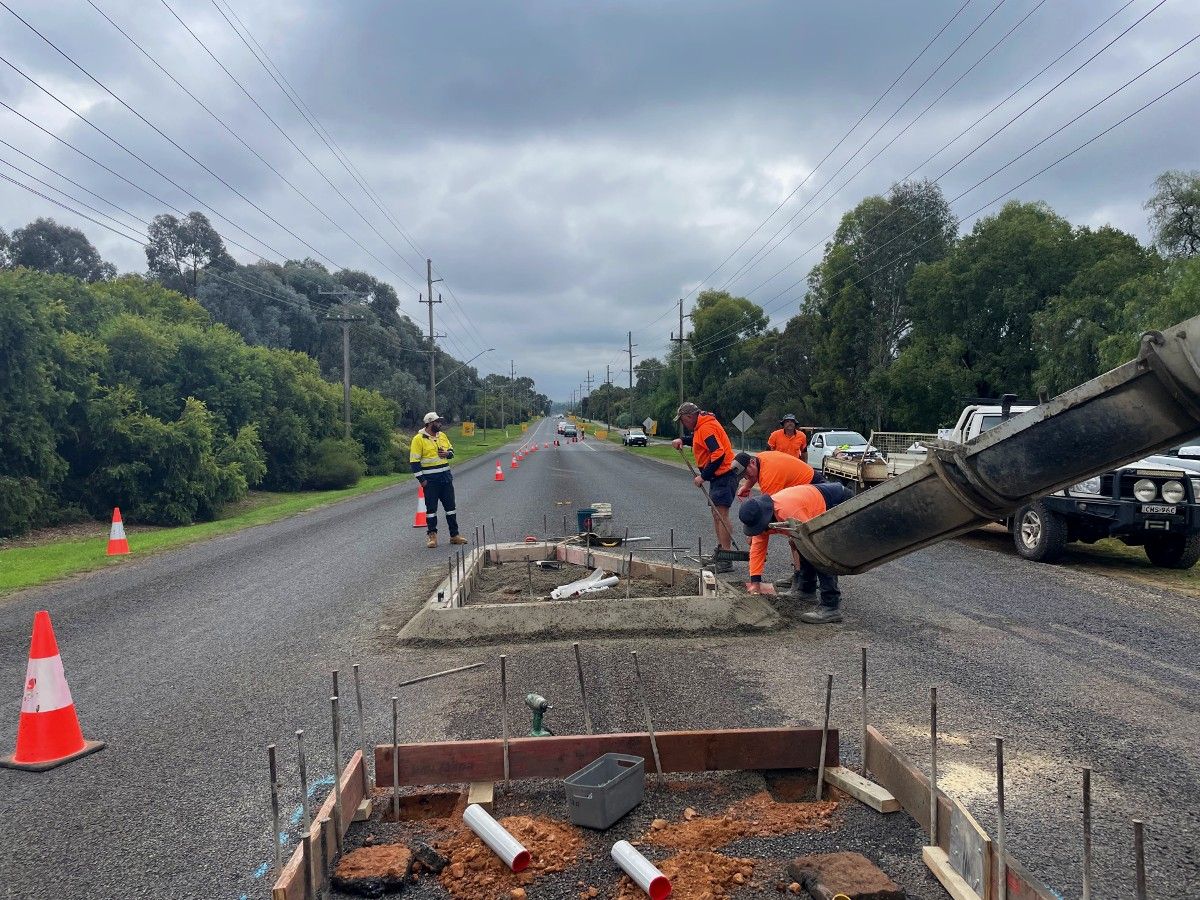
<point>756,514</point>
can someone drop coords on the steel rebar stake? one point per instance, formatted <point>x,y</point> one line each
<point>864,711</point>
<point>504,710</point>
<point>362,732</point>
<point>337,771</point>
<point>824,737</point>
<point>529,574</point>
<point>496,541</point>
<point>1139,859</point>
<point>587,716</point>
<point>335,683</point>
<point>303,779</point>
<point>396,758</point>
<point>637,671</point>
<point>310,889</point>
<point>323,828</point>
<point>1001,847</point>
<point>628,576</point>
<point>933,777</point>
<point>1087,834</point>
<point>274,808</point>
<point>483,529</point>
<point>672,543</point>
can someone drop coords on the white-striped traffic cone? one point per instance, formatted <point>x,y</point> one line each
<point>48,732</point>
<point>419,519</point>
<point>118,545</point>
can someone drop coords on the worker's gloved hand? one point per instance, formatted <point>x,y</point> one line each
<point>698,481</point>
<point>677,443</point>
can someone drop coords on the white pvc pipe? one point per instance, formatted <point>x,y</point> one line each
<point>492,833</point>
<point>656,885</point>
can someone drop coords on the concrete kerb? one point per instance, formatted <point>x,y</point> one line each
<point>710,605</point>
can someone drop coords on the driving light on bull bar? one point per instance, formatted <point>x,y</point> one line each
<point>1091,486</point>
<point>1145,490</point>
<point>1195,488</point>
<point>1172,492</point>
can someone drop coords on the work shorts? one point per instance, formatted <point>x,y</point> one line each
<point>722,488</point>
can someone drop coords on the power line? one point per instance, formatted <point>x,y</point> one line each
<point>163,135</point>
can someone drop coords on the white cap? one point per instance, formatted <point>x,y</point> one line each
<point>431,417</point>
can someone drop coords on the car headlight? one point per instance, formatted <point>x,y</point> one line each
<point>1145,490</point>
<point>1091,486</point>
<point>1172,492</point>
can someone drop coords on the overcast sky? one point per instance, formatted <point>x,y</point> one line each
<point>574,167</point>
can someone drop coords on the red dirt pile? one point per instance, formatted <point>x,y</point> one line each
<point>475,871</point>
<point>695,875</point>
<point>758,815</point>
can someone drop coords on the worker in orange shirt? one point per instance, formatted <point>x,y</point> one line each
<point>788,438</point>
<point>803,503</point>
<point>772,471</point>
<point>714,459</point>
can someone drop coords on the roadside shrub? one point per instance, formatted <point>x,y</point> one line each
<point>23,505</point>
<point>335,464</point>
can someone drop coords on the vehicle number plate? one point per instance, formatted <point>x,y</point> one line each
<point>1158,508</point>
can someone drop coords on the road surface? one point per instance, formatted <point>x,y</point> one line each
<point>188,664</point>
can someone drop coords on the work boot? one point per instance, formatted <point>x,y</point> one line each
<point>802,593</point>
<point>457,539</point>
<point>822,615</point>
<point>783,584</point>
<point>432,542</point>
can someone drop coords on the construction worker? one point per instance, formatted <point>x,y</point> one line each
<point>788,438</point>
<point>772,471</point>
<point>714,459</point>
<point>430,455</point>
<point>803,502</point>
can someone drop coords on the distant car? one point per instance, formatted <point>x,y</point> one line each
<point>634,437</point>
<point>568,430</point>
<point>823,444</point>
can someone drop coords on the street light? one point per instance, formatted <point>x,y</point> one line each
<point>463,365</point>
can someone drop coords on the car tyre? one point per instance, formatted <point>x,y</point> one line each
<point>1039,533</point>
<point>1173,551</point>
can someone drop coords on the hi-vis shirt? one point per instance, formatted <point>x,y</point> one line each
<point>423,454</point>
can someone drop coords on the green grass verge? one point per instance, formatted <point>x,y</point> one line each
<point>24,567</point>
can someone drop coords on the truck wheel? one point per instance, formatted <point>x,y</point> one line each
<point>1173,551</point>
<point>1039,533</point>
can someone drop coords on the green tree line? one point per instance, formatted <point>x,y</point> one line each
<point>904,319</point>
<point>173,393</point>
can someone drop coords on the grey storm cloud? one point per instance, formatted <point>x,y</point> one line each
<point>575,167</point>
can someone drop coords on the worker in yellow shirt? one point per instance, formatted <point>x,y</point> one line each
<point>429,456</point>
<point>788,438</point>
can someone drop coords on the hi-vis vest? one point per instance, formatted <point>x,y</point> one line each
<point>423,454</point>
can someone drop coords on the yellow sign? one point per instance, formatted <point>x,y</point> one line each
<point>601,434</point>
<point>468,429</point>
<point>524,427</point>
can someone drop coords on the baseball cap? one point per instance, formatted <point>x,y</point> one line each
<point>741,460</point>
<point>756,514</point>
<point>432,417</point>
<point>686,409</point>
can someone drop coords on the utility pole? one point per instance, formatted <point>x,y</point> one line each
<point>630,351</point>
<point>512,382</point>
<point>345,320</point>
<point>429,280</point>
<point>589,391</point>
<point>608,381</point>
<point>680,341</point>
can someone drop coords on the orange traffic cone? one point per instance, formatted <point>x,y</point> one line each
<point>419,518</point>
<point>48,732</point>
<point>499,471</point>
<point>117,543</point>
<point>514,464</point>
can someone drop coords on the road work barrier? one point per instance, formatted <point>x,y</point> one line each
<point>1148,404</point>
<point>48,733</point>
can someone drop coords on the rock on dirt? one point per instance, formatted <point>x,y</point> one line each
<point>695,874</point>
<point>373,871</point>
<point>851,874</point>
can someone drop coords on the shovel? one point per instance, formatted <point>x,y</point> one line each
<point>707,499</point>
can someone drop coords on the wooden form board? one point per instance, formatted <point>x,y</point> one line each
<point>453,762</point>
<point>939,864</point>
<point>290,883</point>
<point>863,790</point>
<point>911,787</point>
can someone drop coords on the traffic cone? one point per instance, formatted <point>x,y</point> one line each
<point>117,543</point>
<point>419,520</point>
<point>514,464</point>
<point>499,471</point>
<point>48,732</point>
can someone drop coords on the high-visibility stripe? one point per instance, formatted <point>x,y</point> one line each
<point>434,470</point>
<point>450,512</point>
<point>45,686</point>
<point>117,532</point>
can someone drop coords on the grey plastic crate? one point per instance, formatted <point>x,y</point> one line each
<point>603,791</point>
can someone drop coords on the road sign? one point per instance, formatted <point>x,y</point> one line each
<point>650,425</point>
<point>468,429</point>
<point>743,421</point>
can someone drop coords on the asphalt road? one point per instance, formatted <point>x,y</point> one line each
<point>190,663</point>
